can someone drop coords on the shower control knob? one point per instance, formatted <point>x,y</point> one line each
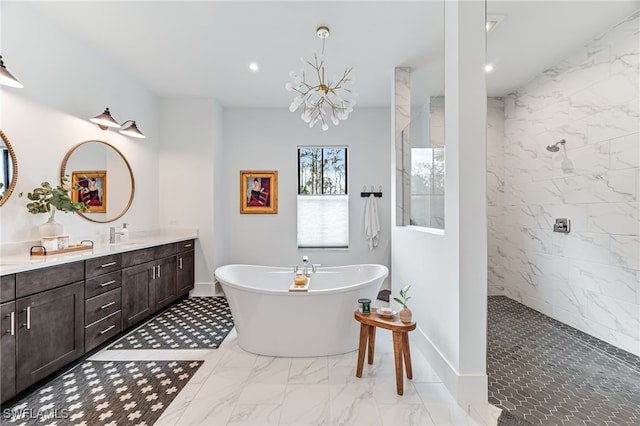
<point>562,225</point>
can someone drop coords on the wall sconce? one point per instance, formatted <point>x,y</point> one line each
<point>6,78</point>
<point>105,120</point>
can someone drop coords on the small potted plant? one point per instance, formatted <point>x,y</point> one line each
<point>405,313</point>
<point>49,199</point>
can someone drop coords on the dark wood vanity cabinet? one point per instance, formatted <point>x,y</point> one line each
<point>186,267</point>
<point>103,304</point>
<point>50,332</point>
<point>150,286</point>
<point>138,294</point>
<point>165,282</point>
<point>8,350</point>
<point>52,316</point>
<point>42,328</point>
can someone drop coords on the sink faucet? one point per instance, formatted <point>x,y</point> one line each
<point>112,234</point>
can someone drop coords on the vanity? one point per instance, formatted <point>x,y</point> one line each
<point>55,309</point>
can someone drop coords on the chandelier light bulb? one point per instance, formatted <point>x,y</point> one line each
<point>319,97</point>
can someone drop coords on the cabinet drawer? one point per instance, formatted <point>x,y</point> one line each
<point>103,265</point>
<point>102,306</point>
<point>38,280</point>
<point>165,250</point>
<point>102,284</point>
<point>103,330</point>
<point>187,245</point>
<point>137,257</point>
<point>7,288</point>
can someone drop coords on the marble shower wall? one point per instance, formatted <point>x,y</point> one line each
<point>590,277</point>
<point>495,196</point>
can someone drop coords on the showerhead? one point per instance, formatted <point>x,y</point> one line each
<point>555,147</point>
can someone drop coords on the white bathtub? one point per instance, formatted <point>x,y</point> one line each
<point>271,320</point>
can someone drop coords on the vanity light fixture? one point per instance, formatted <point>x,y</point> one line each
<point>105,120</point>
<point>321,97</point>
<point>132,130</point>
<point>6,78</point>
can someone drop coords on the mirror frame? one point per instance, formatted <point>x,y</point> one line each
<point>133,183</point>
<point>14,175</point>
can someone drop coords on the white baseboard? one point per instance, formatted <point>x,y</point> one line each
<point>466,389</point>
<point>206,289</point>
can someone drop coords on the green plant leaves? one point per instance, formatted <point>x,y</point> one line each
<point>47,198</point>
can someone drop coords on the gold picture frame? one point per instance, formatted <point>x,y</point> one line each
<point>259,191</point>
<point>93,191</point>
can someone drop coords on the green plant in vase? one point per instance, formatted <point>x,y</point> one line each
<point>49,199</point>
<point>405,313</point>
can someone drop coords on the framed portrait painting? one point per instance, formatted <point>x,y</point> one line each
<point>92,191</point>
<point>259,191</point>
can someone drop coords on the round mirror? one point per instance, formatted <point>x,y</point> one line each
<point>105,177</point>
<point>8,169</point>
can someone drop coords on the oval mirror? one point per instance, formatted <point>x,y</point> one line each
<point>9,169</point>
<point>105,176</point>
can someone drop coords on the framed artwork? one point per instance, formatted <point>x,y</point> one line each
<point>259,191</point>
<point>93,189</point>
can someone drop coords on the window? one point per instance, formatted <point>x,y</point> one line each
<point>323,203</point>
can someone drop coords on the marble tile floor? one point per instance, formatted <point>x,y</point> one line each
<point>234,387</point>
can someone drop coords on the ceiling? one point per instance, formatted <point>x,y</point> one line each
<point>203,48</point>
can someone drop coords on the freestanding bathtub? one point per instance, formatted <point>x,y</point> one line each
<point>271,320</point>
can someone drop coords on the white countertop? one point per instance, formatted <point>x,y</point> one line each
<point>25,262</point>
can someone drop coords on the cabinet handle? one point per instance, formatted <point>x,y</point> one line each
<point>158,271</point>
<point>187,245</point>
<point>180,263</point>
<point>106,265</point>
<point>153,273</point>
<point>107,305</point>
<point>107,283</point>
<point>111,327</point>
<point>28,324</point>
<point>12,328</point>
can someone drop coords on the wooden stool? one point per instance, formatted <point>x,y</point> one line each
<point>368,324</point>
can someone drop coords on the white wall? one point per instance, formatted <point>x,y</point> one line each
<point>191,132</point>
<point>589,278</point>
<point>65,84</point>
<point>267,139</point>
<point>449,271</point>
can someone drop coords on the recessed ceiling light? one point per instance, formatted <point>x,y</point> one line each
<point>488,68</point>
<point>253,67</point>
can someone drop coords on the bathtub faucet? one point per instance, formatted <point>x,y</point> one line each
<point>307,268</point>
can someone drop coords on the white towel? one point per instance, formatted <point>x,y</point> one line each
<point>371,222</point>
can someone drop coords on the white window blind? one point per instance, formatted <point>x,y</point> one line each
<point>323,221</point>
<point>323,203</point>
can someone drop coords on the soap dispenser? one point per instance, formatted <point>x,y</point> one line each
<point>124,235</point>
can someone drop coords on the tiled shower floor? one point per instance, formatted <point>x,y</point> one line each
<point>552,374</point>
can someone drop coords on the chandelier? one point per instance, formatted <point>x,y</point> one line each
<point>322,99</point>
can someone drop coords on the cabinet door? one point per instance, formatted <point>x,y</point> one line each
<point>8,350</point>
<point>50,332</point>
<point>165,282</point>
<point>186,275</point>
<point>137,294</point>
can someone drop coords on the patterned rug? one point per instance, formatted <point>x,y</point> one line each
<point>104,393</point>
<point>194,323</point>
